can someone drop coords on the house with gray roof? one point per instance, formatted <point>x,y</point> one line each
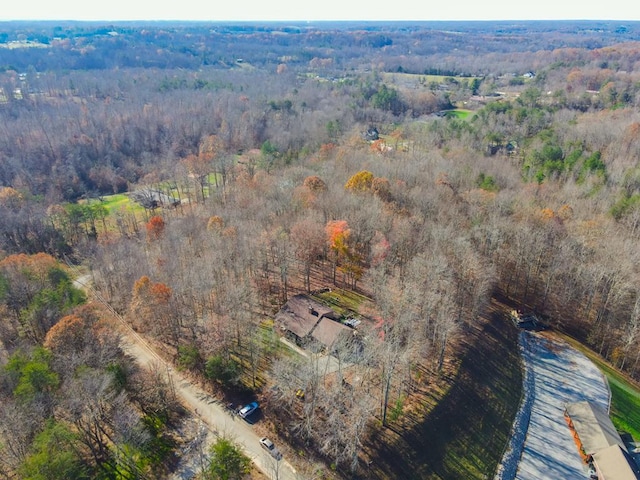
<point>310,324</point>
<point>599,442</point>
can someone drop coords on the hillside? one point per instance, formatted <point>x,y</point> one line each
<point>413,182</point>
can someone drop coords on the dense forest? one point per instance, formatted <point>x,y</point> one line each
<point>419,169</point>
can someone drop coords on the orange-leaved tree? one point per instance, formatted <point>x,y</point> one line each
<point>325,150</point>
<point>10,198</point>
<point>311,189</point>
<point>381,187</point>
<point>215,224</point>
<point>151,310</point>
<point>66,336</point>
<point>345,258</point>
<point>315,184</point>
<point>155,227</point>
<point>36,291</point>
<point>338,233</point>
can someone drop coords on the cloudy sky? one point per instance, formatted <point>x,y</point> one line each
<point>315,10</point>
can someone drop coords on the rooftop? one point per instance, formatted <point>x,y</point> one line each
<point>613,463</point>
<point>301,314</point>
<point>594,427</point>
<point>328,331</point>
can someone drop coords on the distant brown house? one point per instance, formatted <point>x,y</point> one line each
<point>152,199</point>
<point>309,323</point>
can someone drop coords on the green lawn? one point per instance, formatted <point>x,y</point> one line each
<point>401,77</point>
<point>625,399</point>
<point>459,113</point>
<point>117,202</point>
<point>625,408</point>
<point>344,302</point>
<point>625,394</point>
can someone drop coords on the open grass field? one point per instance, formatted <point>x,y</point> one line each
<point>458,113</point>
<point>405,78</point>
<point>117,202</point>
<point>625,407</point>
<point>120,202</point>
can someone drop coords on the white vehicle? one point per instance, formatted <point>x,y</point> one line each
<point>270,447</point>
<point>248,409</point>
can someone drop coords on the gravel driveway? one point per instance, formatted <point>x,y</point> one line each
<point>213,418</point>
<point>556,374</point>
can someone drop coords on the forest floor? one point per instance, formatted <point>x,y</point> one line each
<point>461,420</point>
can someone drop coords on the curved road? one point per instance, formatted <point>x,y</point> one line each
<point>217,418</point>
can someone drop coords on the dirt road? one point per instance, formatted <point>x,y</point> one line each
<point>213,415</point>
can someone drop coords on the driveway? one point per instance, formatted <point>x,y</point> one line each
<point>214,418</point>
<point>556,374</point>
<point>325,363</point>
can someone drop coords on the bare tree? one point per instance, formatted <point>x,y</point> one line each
<point>308,237</point>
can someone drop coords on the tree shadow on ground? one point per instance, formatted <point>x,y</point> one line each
<point>465,434</point>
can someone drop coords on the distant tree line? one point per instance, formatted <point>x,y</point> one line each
<point>534,196</point>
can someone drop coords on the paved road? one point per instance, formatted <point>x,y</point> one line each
<point>215,416</point>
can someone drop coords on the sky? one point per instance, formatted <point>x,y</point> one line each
<point>318,10</point>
